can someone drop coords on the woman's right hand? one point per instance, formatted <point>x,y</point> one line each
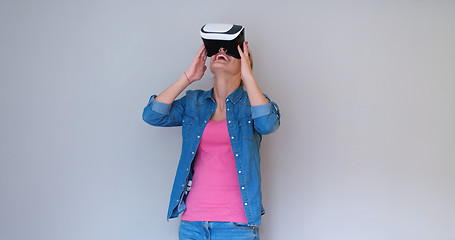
<point>197,68</point>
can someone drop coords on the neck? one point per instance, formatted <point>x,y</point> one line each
<point>224,86</point>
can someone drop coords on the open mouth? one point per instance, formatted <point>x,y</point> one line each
<point>221,57</point>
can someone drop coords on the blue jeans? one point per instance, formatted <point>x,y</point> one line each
<point>205,230</point>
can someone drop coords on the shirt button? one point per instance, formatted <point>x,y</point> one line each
<point>227,100</point>
<point>232,137</point>
<point>249,121</point>
<point>236,155</point>
<point>227,109</point>
<point>183,185</point>
<point>192,153</point>
<point>198,136</point>
<point>205,121</point>
<point>229,121</point>
<point>246,204</point>
<point>240,171</point>
<point>187,169</point>
<point>177,200</point>
<point>212,110</point>
<point>242,187</point>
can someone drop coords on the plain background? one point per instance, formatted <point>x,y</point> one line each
<point>366,148</point>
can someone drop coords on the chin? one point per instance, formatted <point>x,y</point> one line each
<point>224,68</point>
<point>219,70</point>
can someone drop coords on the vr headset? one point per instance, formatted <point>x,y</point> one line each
<point>227,36</point>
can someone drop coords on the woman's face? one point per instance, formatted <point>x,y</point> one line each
<point>221,62</point>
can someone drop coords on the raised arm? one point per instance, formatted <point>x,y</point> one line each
<point>163,110</point>
<point>193,73</point>
<point>254,93</point>
<point>265,113</point>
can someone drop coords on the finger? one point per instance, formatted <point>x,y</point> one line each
<point>245,48</point>
<point>205,54</point>
<point>200,51</point>
<point>240,52</point>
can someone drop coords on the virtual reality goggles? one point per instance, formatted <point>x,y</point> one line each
<point>227,36</point>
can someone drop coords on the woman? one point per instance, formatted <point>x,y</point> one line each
<point>217,184</point>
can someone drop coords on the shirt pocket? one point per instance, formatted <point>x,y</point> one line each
<point>187,124</point>
<point>246,128</point>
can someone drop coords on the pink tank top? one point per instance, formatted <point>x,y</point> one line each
<point>215,192</point>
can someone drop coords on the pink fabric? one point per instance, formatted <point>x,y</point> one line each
<point>215,192</point>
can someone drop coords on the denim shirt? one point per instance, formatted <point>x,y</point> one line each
<point>246,125</point>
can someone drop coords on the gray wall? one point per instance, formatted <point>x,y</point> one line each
<point>366,149</point>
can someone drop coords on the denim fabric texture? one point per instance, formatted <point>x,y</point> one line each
<point>246,125</point>
<point>204,230</point>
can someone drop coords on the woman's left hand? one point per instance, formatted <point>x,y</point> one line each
<point>245,67</point>
<point>249,83</point>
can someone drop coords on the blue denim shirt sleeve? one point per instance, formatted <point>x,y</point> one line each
<point>159,107</point>
<point>266,117</point>
<point>162,114</point>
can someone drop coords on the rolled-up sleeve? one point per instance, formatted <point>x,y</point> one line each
<point>162,114</point>
<point>266,117</point>
<point>159,107</point>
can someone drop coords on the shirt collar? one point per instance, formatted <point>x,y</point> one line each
<point>236,95</point>
<point>207,95</point>
<point>233,97</point>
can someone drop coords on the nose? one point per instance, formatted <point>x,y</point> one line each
<point>222,50</point>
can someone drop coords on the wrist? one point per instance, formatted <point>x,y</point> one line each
<point>187,78</point>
